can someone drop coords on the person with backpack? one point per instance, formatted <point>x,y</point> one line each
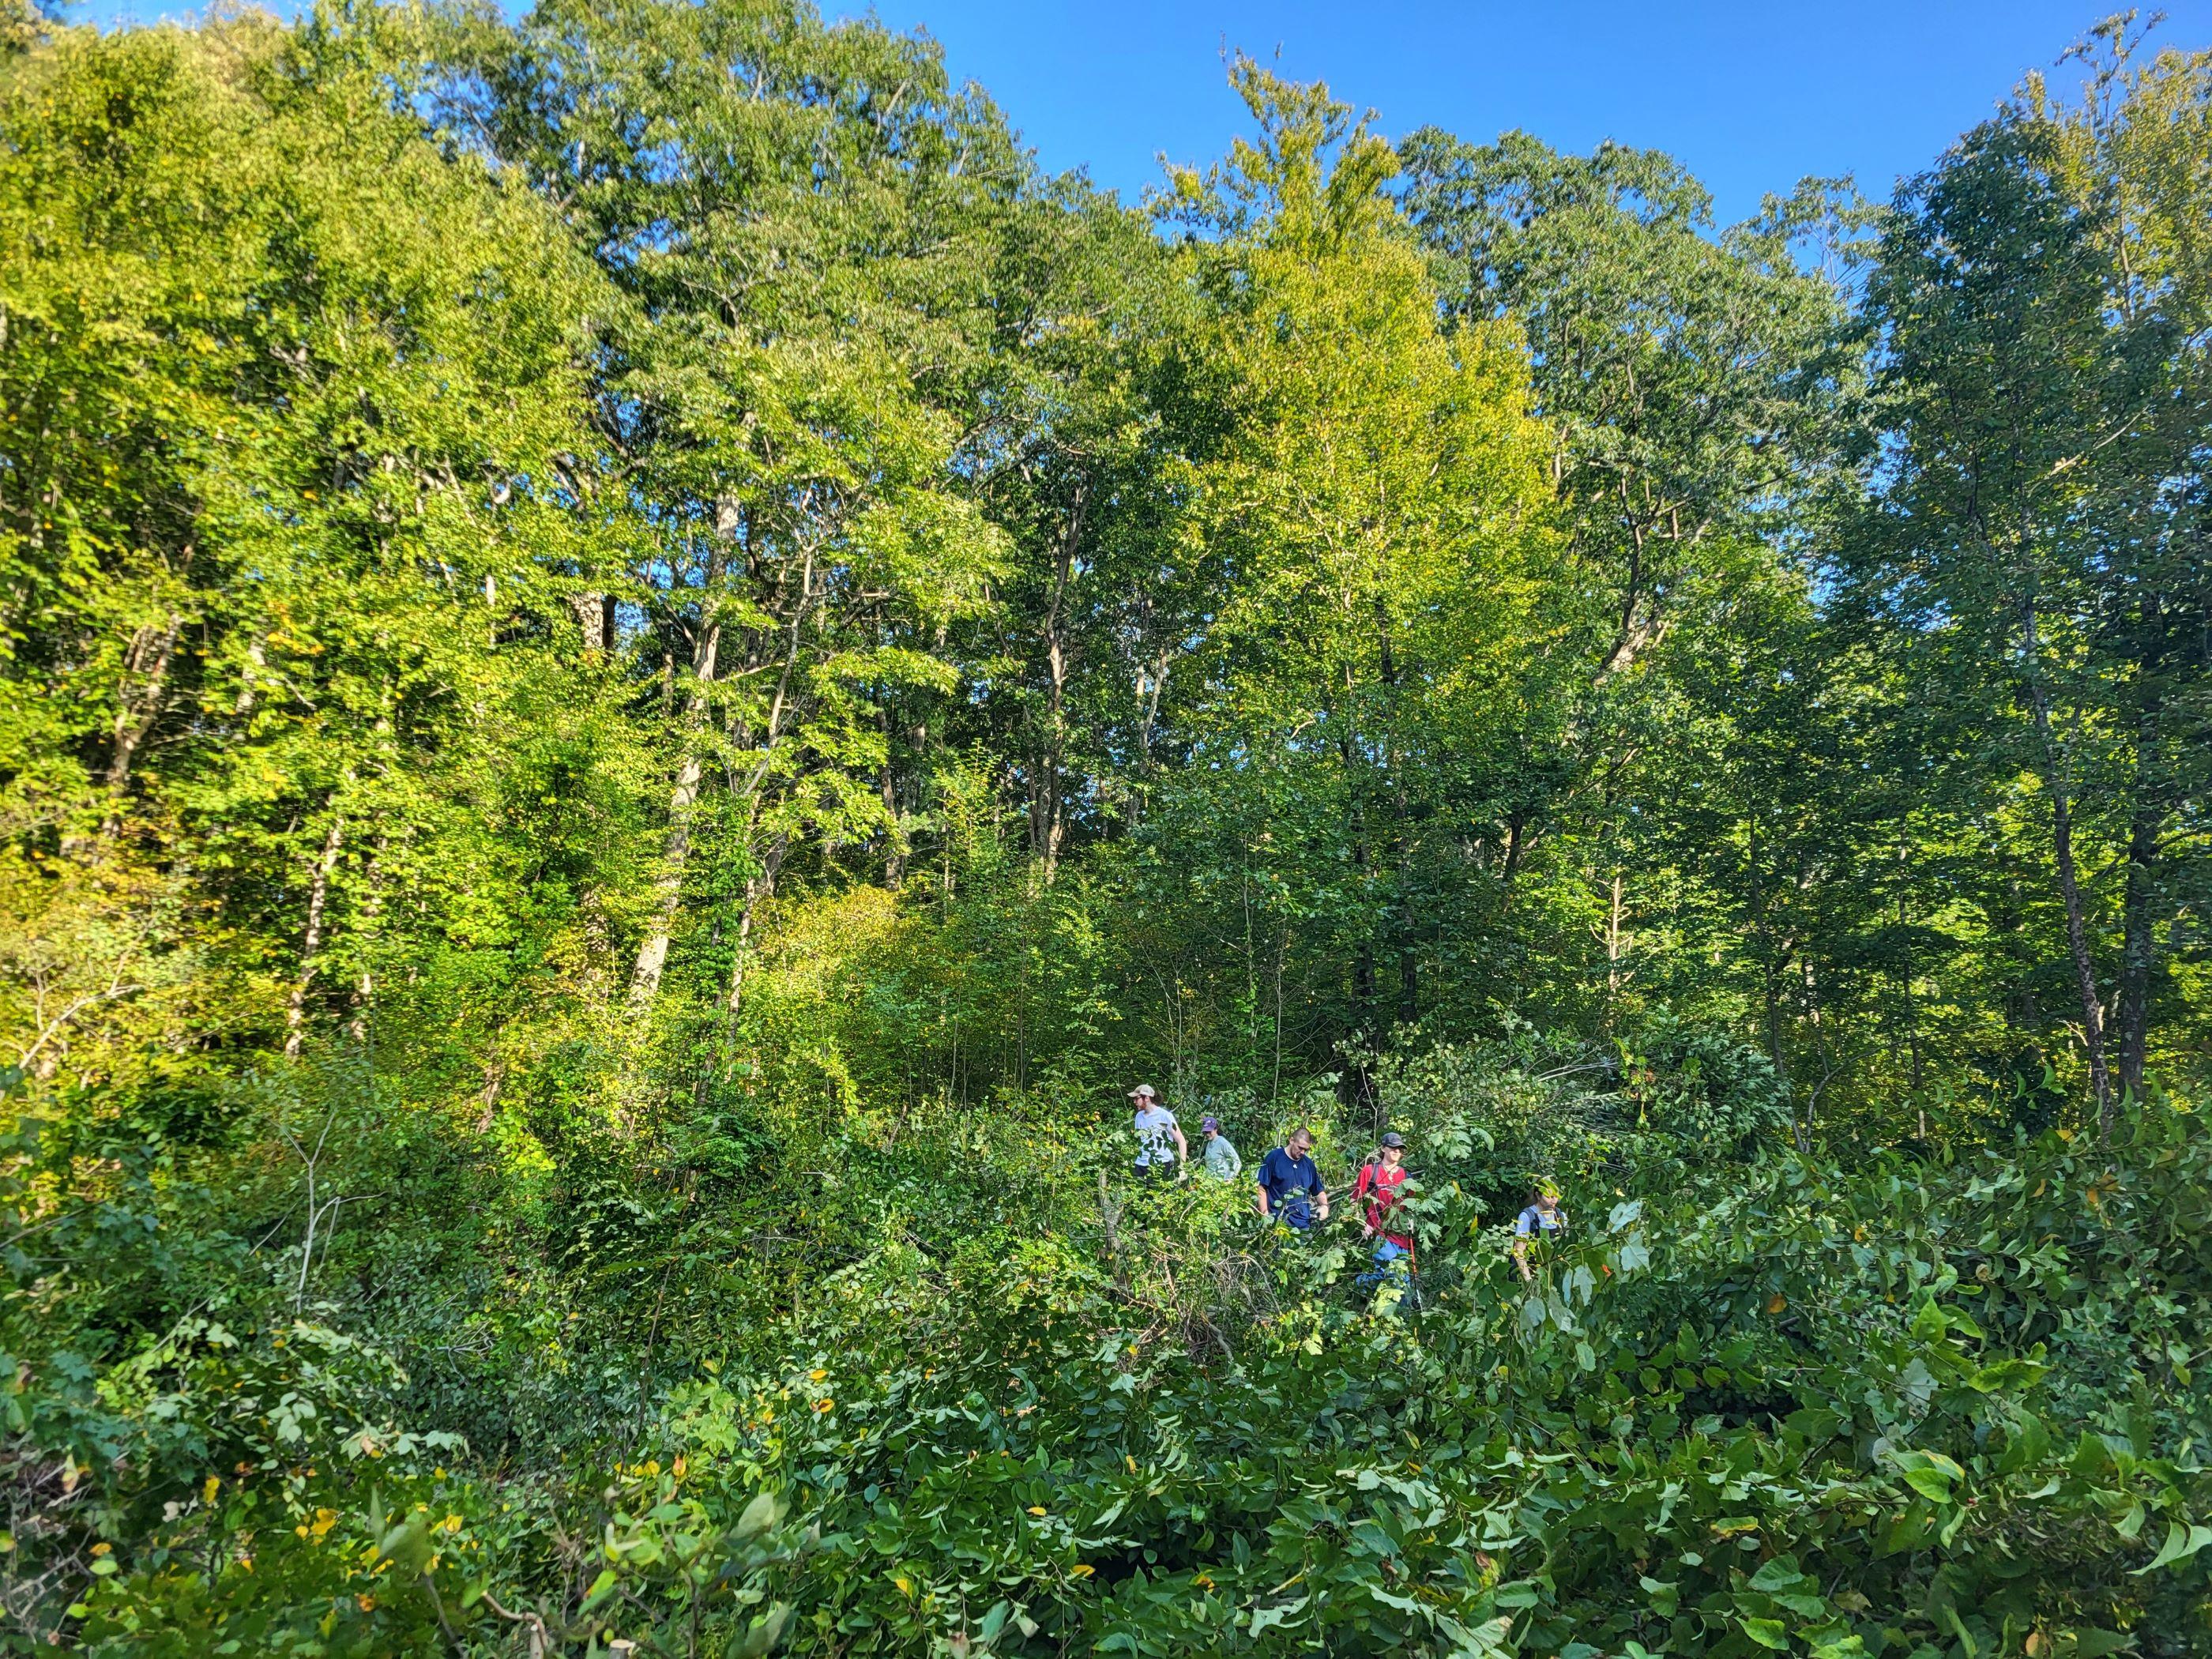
<point>1379,1190</point>
<point>1291,1187</point>
<point>1160,1144</point>
<point>1379,1187</point>
<point>1542,1219</point>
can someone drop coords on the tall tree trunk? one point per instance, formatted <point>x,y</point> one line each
<point>372,907</point>
<point>1047,789</point>
<point>2057,780</point>
<point>593,619</point>
<point>1516,848</point>
<point>894,849</point>
<point>310,944</point>
<point>667,887</point>
<point>682,798</point>
<point>2145,877</point>
<point>1769,966</point>
<point>2139,941</point>
<point>145,680</point>
<point>1615,941</point>
<point>758,890</point>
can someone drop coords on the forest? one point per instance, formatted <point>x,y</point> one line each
<point>642,673</point>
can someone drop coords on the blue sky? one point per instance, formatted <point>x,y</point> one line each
<point>1751,97</point>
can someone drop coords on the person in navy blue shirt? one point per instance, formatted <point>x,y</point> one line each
<point>1291,1189</point>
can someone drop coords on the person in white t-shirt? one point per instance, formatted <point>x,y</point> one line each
<point>1160,1144</point>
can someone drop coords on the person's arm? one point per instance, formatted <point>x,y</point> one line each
<point>1321,1195</point>
<point>1359,1192</point>
<point>1235,1160</point>
<point>1263,1188</point>
<point>1182,1146</point>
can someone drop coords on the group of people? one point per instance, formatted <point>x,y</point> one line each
<point>1292,1195</point>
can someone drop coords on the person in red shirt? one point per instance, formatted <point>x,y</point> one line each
<point>1378,1190</point>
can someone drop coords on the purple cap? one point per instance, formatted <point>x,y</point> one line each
<point>1210,1123</point>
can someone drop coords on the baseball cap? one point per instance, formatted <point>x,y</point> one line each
<point>1394,1138</point>
<point>1209,1123</point>
<point>1143,1091</point>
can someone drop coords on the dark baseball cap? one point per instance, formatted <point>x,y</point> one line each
<point>1394,1138</point>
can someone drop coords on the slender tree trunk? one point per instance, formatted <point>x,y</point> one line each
<point>759,891</point>
<point>2139,943</point>
<point>1047,791</point>
<point>2055,780</point>
<point>682,798</point>
<point>893,851</point>
<point>2077,944</point>
<point>667,887</point>
<point>2145,875</point>
<point>1515,850</point>
<point>371,909</point>
<point>1770,968</point>
<point>1615,941</point>
<point>145,680</point>
<point>310,944</point>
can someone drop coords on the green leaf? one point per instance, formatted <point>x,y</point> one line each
<point>1768,1633</point>
<point>1780,1574</point>
<point>763,1513</point>
<point>2181,1543</point>
<point>766,1631</point>
<point>1665,1596</point>
<point>1931,1484</point>
<point>2095,1643</point>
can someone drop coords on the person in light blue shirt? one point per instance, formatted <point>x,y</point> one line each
<point>1222,1160</point>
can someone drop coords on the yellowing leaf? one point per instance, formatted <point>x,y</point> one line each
<point>1039,1509</point>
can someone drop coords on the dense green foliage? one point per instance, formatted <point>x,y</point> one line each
<point>642,673</point>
